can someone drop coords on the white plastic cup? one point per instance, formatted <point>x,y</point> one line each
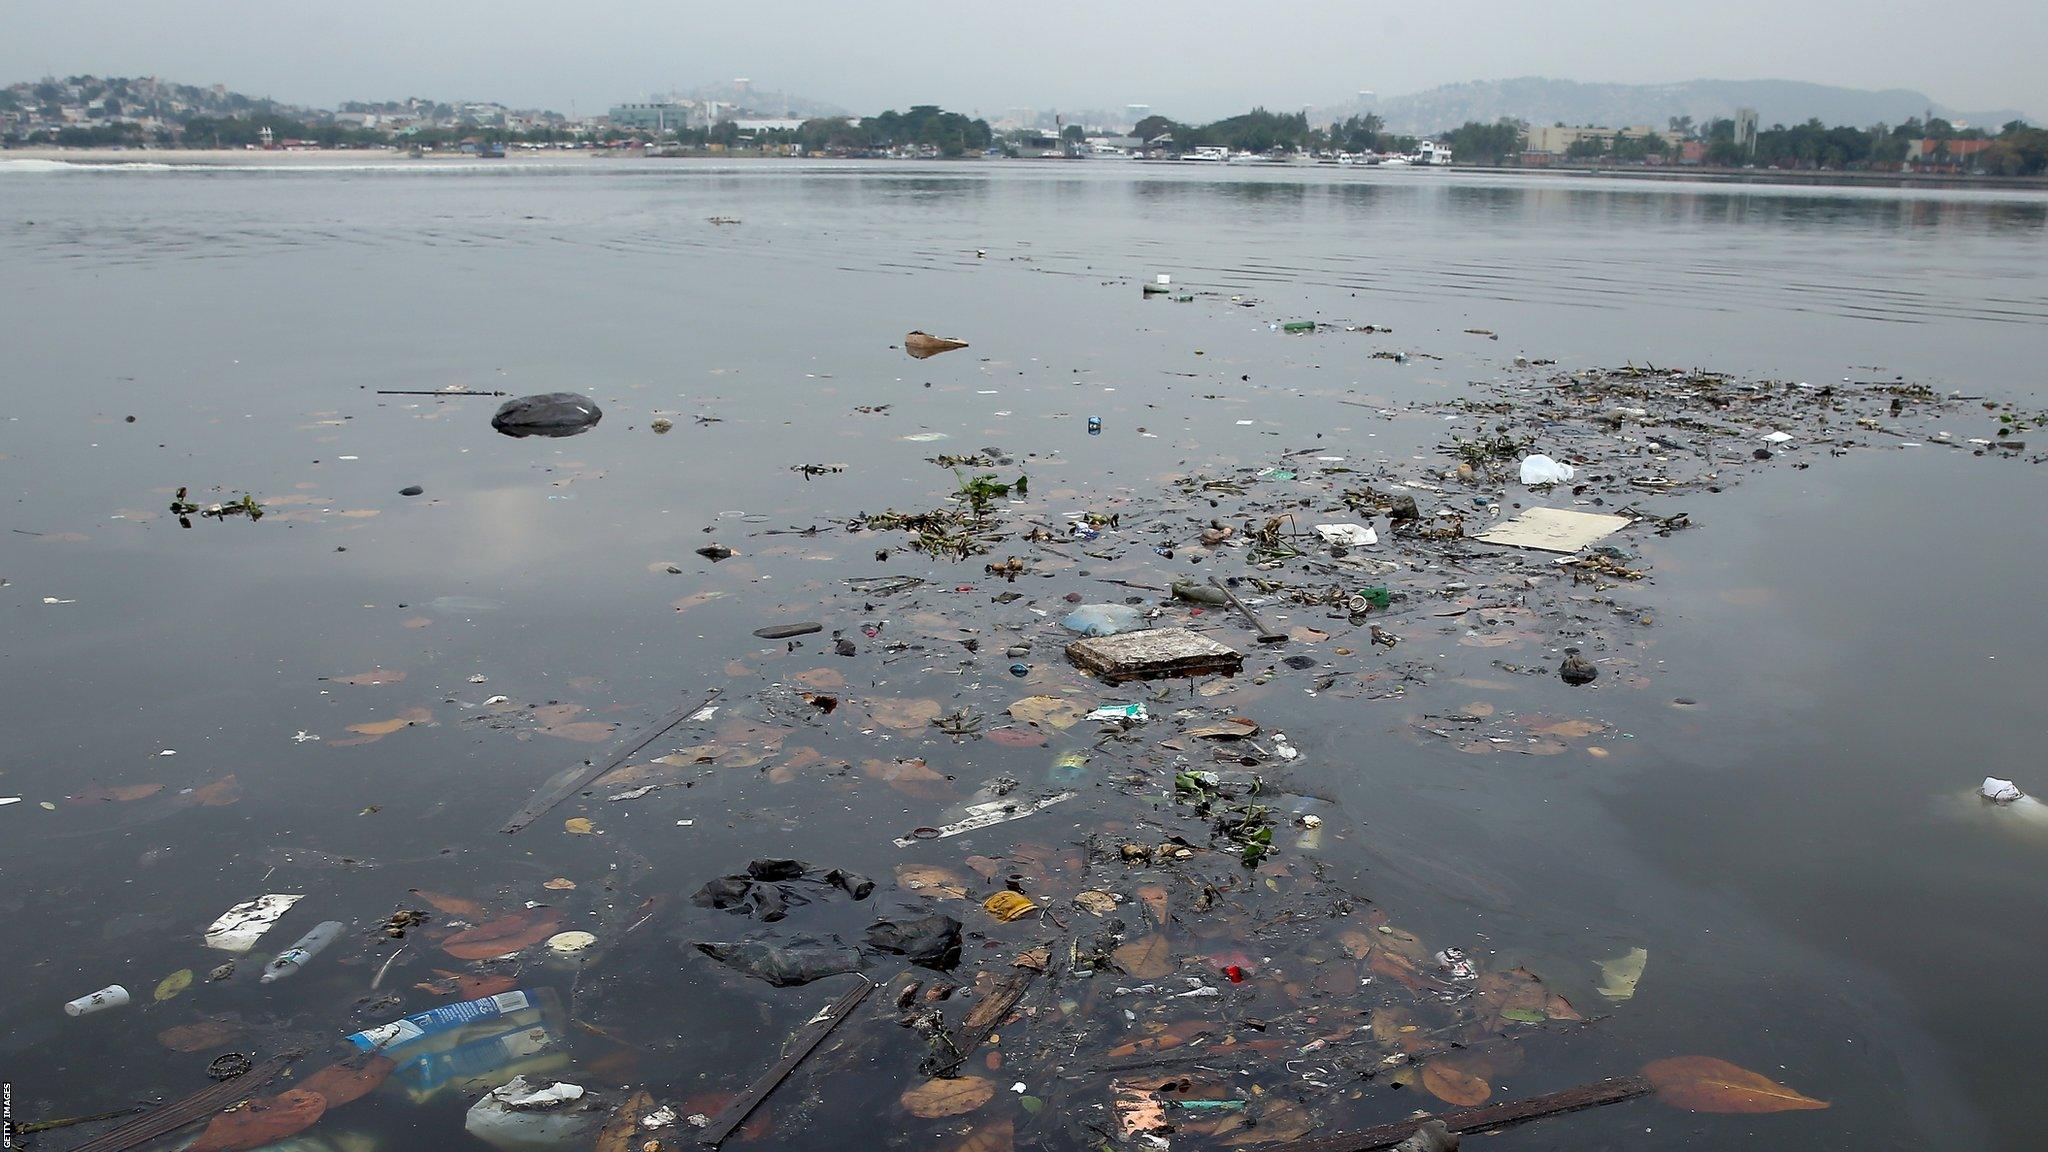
<point>112,996</point>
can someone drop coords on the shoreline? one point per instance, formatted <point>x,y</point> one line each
<point>398,158</point>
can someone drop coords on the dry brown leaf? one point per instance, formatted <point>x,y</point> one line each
<point>934,1099</point>
<point>264,1120</point>
<point>1162,1038</point>
<point>1566,729</point>
<point>694,599</point>
<point>220,793</point>
<point>925,877</point>
<point>1051,711</point>
<point>468,985</point>
<point>581,731</point>
<point>1357,945</point>
<point>373,730</point>
<point>1154,896</point>
<point>348,1080</point>
<point>117,792</point>
<point>1098,903</point>
<point>507,934</point>
<point>997,1135</point>
<point>1035,959</point>
<point>578,826</point>
<point>902,715</point>
<point>1395,1026</point>
<point>373,676</point>
<point>1278,1120</point>
<point>923,344</point>
<point>1397,968</point>
<point>559,884</point>
<point>621,1132</point>
<point>1454,1085</point>
<point>1235,728</point>
<point>452,905</point>
<point>760,1122</point>
<point>197,1037</point>
<point>1495,640</point>
<point>1016,736</point>
<point>1708,1084</point>
<point>1148,958</point>
<point>911,777</point>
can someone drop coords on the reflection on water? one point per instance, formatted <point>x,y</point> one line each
<point>543,596</point>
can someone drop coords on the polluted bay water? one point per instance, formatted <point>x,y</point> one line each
<point>769,665</point>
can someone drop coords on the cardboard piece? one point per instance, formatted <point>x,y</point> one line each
<point>1155,652</point>
<point>1553,529</point>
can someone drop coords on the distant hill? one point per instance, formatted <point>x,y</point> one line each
<point>1543,101</point>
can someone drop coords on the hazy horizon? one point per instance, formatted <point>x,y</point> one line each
<point>1196,61</point>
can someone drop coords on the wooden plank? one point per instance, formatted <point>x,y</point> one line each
<point>806,1038</point>
<point>571,781</point>
<point>192,1109</point>
<point>1480,1119</point>
<point>981,1020</point>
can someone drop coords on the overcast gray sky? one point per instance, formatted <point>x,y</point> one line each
<point>1187,58</point>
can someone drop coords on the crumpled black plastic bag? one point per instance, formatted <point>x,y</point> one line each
<point>547,414</point>
<point>789,961</point>
<point>929,941</point>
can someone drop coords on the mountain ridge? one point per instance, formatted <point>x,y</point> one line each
<point>1542,100</point>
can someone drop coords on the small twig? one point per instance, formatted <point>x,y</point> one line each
<point>385,967</point>
<point>1267,633</point>
<point>406,392</point>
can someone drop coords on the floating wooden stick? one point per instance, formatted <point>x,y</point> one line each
<point>1478,1119</point>
<point>1267,633</point>
<point>807,1037</point>
<point>404,392</point>
<point>573,780</point>
<point>191,1109</point>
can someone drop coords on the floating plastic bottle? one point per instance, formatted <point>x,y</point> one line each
<point>308,946</point>
<point>112,996</point>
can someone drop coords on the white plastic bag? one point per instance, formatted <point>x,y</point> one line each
<point>1539,469</point>
<point>2001,791</point>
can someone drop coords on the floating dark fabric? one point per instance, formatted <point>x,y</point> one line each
<point>930,941</point>
<point>766,902</point>
<point>852,883</point>
<point>775,869</point>
<point>547,414</point>
<point>786,962</point>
